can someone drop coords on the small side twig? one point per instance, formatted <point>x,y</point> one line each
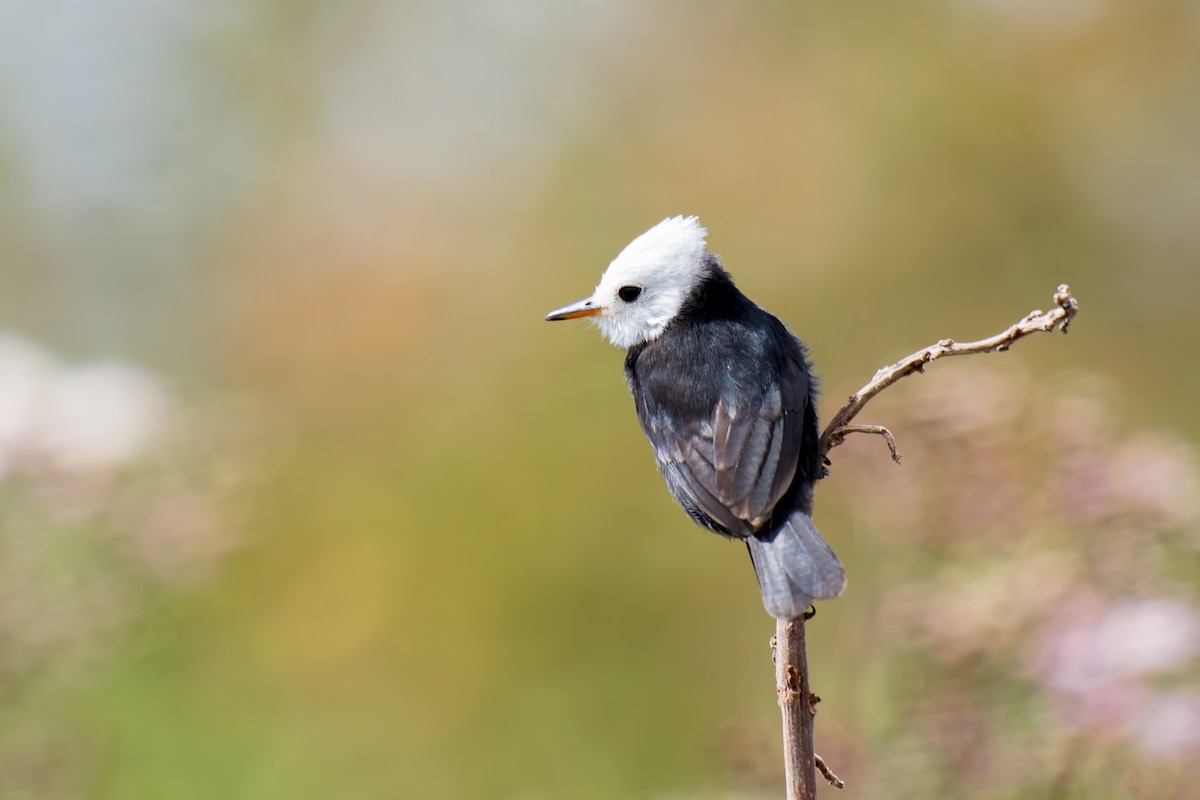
<point>796,700</point>
<point>828,774</point>
<point>839,436</point>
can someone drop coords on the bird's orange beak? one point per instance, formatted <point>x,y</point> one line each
<point>584,308</point>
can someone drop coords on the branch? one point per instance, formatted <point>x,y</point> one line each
<point>1059,317</point>
<point>796,700</point>
<point>838,436</point>
<point>796,704</point>
<point>828,774</point>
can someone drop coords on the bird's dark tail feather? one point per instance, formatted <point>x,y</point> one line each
<point>795,567</point>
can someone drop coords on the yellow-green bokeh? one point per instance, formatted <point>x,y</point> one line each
<point>453,570</point>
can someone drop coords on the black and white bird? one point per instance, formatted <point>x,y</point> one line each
<point>725,395</point>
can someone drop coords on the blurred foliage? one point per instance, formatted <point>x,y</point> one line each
<point>399,538</point>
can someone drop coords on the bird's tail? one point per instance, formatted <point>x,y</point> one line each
<point>795,567</point>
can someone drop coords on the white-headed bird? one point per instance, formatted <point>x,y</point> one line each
<point>725,395</point>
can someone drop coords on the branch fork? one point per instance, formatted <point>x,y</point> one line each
<point>796,701</point>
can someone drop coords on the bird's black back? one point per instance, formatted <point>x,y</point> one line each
<point>727,400</point>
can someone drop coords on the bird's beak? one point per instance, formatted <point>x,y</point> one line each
<point>584,308</point>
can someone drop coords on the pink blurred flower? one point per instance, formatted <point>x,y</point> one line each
<point>1098,659</point>
<point>1169,724</point>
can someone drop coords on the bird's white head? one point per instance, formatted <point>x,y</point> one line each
<point>647,284</point>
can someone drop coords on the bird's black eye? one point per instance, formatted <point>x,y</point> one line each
<point>629,293</point>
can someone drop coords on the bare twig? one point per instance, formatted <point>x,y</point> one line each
<point>828,774</point>
<point>838,436</point>
<point>796,700</point>
<point>1059,317</point>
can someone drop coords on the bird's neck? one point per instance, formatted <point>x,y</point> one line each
<point>714,297</point>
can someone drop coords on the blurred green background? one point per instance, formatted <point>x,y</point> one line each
<point>301,498</point>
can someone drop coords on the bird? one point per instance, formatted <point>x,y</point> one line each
<point>727,397</point>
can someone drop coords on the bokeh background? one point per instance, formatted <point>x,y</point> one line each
<point>301,498</point>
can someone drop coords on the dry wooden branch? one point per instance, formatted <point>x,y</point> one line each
<point>827,773</point>
<point>796,701</point>
<point>841,433</point>
<point>1059,317</point>
<point>796,706</point>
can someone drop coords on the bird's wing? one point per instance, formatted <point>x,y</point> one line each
<point>735,464</point>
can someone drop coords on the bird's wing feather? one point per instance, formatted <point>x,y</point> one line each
<point>734,463</point>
